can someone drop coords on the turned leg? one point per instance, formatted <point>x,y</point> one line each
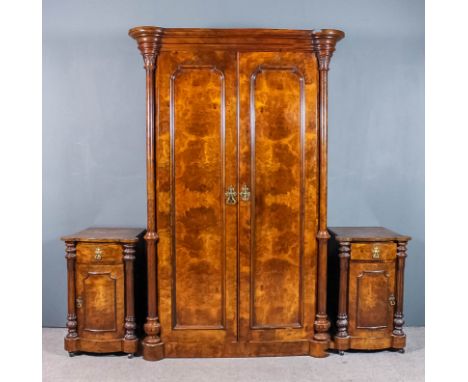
<point>130,339</point>
<point>399,337</point>
<point>342,336</point>
<point>71,338</point>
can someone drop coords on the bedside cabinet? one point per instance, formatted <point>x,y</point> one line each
<point>100,268</point>
<point>365,291</point>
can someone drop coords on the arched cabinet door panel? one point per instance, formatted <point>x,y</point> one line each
<point>278,162</point>
<point>196,156</point>
<point>371,298</point>
<point>100,301</point>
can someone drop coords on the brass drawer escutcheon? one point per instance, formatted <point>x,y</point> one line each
<point>376,253</point>
<point>98,254</point>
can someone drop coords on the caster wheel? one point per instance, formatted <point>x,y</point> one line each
<point>341,352</point>
<point>401,351</point>
<point>130,355</point>
<point>71,354</point>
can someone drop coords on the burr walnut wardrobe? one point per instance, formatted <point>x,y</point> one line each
<point>236,124</point>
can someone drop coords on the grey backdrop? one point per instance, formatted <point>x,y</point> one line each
<point>94,117</point>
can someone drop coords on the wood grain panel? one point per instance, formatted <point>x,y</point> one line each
<point>277,179</point>
<point>373,251</point>
<point>196,159</point>
<point>107,253</point>
<point>278,160</point>
<point>198,213</point>
<point>370,287</point>
<point>99,302</point>
<point>372,292</point>
<point>100,288</point>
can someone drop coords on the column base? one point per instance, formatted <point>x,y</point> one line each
<point>130,346</point>
<point>72,344</point>
<point>398,342</point>
<point>152,351</point>
<point>318,349</point>
<point>341,343</point>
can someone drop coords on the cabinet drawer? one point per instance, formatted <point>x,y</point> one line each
<point>373,251</point>
<point>87,253</point>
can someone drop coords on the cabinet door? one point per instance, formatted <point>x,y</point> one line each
<point>100,301</point>
<point>278,223</point>
<point>371,298</point>
<point>196,162</point>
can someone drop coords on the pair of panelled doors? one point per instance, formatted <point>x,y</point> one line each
<point>237,186</point>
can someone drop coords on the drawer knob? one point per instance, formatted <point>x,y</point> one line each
<point>79,302</point>
<point>98,254</point>
<point>376,253</point>
<point>391,299</point>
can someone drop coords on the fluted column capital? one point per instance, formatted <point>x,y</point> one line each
<point>149,43</point>
<point>324,43</point>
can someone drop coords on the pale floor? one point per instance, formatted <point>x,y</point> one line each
<point>361,367</point>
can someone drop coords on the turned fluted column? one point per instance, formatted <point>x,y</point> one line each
<point>324,42</point>
<point>342,321</point>
<point>71,316</point>
<point>149,43</point>
<point>72,324</point>
<point>398,320</point>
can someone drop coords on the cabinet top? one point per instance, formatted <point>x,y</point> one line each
<point>366,234</point>
<point>233,39</point>
<point>103,235</point>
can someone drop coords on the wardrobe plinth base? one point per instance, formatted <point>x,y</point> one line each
<point>318,349</point>
<point>152,351</point>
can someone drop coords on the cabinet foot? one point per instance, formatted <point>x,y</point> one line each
<point>130,355</point>
<point>401,351</point>
<point>71,354</point>
<point>341,352</point>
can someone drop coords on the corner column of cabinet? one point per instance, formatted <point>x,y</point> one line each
<point>324,42</point>
<point>149,44</point>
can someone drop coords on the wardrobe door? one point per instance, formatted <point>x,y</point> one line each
<point>278,222</point>
<point>196,163</point>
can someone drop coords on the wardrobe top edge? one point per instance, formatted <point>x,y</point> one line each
<point>232,32</point>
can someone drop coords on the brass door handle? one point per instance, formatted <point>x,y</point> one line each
<point>245,193</point>
<point>98,254</point>
<point>231,195</point>
<point>79,302</point>
<point>391,299</point>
